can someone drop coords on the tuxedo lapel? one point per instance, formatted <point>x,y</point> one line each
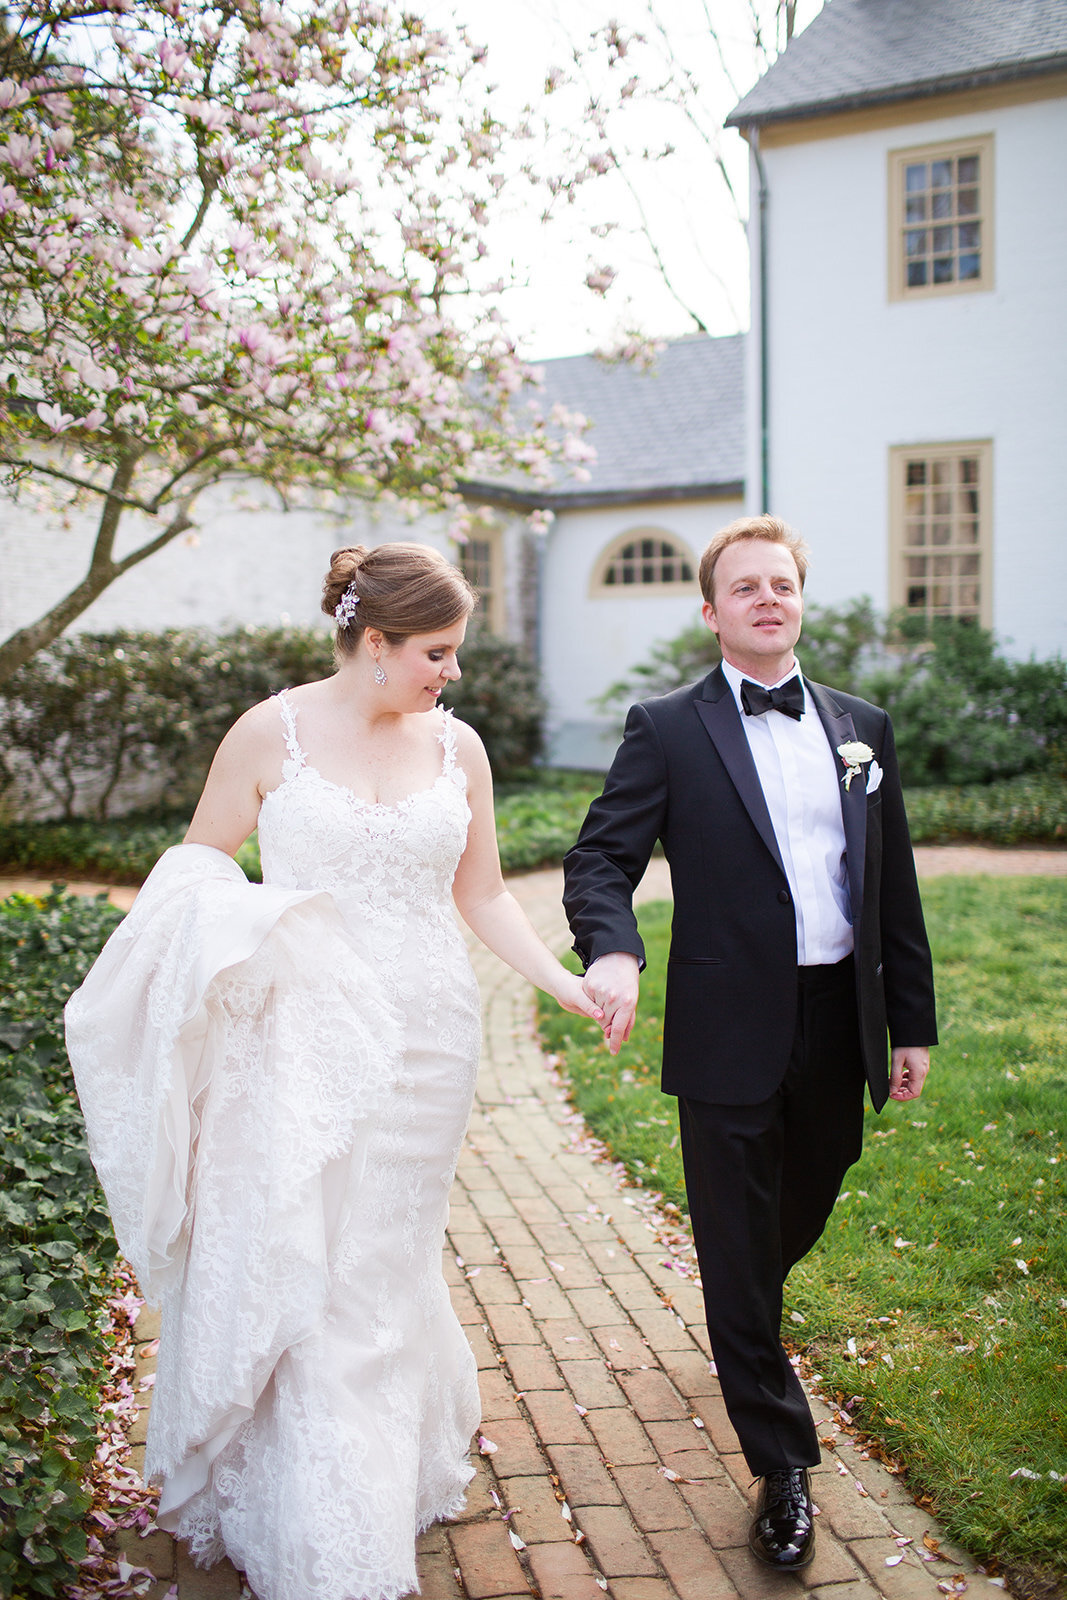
<point>718,712</point>
<point>839,728</point>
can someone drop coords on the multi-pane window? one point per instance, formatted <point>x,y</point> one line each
<point>646,559</point>
<point>940,516</point>
<point>476,561</point>
<point>479,561</point>
<point>941,219</point>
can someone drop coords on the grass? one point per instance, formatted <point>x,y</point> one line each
<point>937,1299</point>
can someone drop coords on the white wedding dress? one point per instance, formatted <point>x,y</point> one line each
<point>276,1081</point>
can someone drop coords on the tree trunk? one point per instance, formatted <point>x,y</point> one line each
<point>103,570</point>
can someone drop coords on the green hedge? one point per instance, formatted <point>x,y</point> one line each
<point>1027,810</point>
<point>57,1249</point>
<point>536,824</point>
<point>95,712</point>
<point>119,850</point>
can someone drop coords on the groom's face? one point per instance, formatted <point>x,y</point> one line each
<point>758,607</point>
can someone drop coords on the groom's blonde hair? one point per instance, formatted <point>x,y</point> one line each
<point>773,529</point>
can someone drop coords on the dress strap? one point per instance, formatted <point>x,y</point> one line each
<point>447,737</point>
<point>292,744</point>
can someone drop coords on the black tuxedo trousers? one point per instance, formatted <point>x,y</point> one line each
<point>761,1182</point>
<point>768,1061</point>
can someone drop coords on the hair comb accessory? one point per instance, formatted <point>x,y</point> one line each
<point>345,609</point>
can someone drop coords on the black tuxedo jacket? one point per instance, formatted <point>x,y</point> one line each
<point>684,774</point>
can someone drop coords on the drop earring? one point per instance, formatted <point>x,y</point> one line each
<point>379,675</point>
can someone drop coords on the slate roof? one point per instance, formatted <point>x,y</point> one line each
<point>865,52</point>
<point>675,432</point>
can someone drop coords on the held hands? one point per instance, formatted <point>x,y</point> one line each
<point>908,1066</point>
<point>613,983</point>
<point>571,995</point>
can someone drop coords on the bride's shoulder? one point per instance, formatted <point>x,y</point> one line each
<point>467,741</point>
<point>470,751</point>
<point>259,728</point>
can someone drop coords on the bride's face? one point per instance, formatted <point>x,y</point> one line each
<point>420,668</point>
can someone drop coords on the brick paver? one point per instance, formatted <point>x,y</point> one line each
<point>614,1467</point>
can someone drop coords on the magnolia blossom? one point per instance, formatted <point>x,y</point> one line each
<point>54,418</point>
<point>12,94</point>
<point>21,153</point>
<point>600,279</point>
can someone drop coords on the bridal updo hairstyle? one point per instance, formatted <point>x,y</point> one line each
<point>402,589</point>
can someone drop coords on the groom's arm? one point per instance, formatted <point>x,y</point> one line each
<point>908,973</point>
<point>604,868</point>
<point>614,846</point>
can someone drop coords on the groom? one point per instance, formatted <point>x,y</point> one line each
<point>797,941</point>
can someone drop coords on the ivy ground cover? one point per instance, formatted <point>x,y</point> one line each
<point>57,1251</point>
<point>935,1306</point>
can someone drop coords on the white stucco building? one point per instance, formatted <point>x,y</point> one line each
<point>900,400</point>
<point>616,571</point>
<point>909,311</point>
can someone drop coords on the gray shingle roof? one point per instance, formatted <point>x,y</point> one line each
<point>860,52</point>
<point>675,432</point>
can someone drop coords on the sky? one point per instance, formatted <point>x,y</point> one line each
<point>681,203</point>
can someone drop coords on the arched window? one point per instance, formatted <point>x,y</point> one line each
<point>645,559</point>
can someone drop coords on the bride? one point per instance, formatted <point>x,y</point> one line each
<point>276,1081</point>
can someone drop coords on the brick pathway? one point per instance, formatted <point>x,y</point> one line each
<point>609,1467</point>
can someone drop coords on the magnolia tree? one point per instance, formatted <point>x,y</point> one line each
<point>242,237</point>
<point>630,123</point>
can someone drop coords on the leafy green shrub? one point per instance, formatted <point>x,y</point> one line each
<point>94,711</point>
<point>93,715</point>
<point>498,695</point>
<point>120,850</point>
<point>1031,809</point>
<point>837,642</point>
<point>962,712</point>
<point>536,828</point>
<point>56,1248</point>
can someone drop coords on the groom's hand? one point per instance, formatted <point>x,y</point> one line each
<point>613,983</point>
<point>908,1066</point>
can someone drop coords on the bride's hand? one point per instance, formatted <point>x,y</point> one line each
<point>572,997</point>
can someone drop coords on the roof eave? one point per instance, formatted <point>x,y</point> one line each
<point>863,99</point>
<point>526,500</point>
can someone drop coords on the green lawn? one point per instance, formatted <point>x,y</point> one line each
<point>938,1295</point>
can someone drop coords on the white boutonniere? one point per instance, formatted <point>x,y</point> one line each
<point>855,755</point>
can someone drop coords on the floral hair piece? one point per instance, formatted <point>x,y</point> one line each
<point>345,609</point>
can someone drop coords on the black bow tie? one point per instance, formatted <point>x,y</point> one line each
<point>788,698</point>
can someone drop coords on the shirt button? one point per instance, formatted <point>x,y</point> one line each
<point>783,897</point>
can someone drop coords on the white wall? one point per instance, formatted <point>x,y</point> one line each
<point>853,374</point>
<point>590,641</point>
<point>248,561</point>
<point>258,564</point>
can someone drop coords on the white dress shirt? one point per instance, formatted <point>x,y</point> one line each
<point>801,780</point>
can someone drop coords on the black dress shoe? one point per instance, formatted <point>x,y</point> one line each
<point>783,1532</point>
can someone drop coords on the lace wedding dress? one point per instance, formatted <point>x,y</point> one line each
<point>276,1081</point>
